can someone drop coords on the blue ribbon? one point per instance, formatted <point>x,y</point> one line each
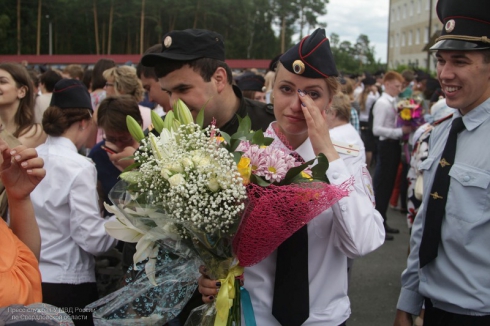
<point>247,309</point>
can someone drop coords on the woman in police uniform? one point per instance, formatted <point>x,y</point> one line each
<point>303,91</point>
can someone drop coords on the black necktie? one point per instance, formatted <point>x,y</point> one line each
<point>436,206</point>
<point>291,302</point>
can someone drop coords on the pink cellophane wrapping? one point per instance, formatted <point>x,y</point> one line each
<point>274,213</point>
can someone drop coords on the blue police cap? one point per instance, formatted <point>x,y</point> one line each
<point>311,57</point>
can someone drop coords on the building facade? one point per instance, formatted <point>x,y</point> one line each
<point>411,28</point>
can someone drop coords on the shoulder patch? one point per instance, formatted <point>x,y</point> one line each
<point>345,148</point>
<point>442,120</point>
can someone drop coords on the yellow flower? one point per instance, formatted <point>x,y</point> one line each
<point>245,169</point>
<point>406,114</point>
<point>305,175</point>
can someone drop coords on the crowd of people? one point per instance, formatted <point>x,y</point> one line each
<point>65,142</point>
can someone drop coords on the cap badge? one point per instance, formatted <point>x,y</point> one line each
<point>450,24</point>
<point>298,67</point>
<point>167,42</point>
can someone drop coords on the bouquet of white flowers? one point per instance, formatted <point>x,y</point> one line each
<point>197,196</point>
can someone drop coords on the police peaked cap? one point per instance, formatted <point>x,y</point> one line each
<point>251,83</point>
<point>187,45</point>
<point>69,94</point>
<point>311,57</point>
<point>466,25</point>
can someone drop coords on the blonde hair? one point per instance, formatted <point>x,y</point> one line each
<point>341,106</point>
<point>125,81</point>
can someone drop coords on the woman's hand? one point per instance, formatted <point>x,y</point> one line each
<point>21,170</point>
<point>318,129</point>
<point>207,287</point>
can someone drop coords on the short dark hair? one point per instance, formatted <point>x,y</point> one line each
<point>49,79</point>
<point>112,112</point>
<point>98,80</point>
<point>148,72</point>
<point>206,67</point>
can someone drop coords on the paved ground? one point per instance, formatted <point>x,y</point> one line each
<point>375,280</point>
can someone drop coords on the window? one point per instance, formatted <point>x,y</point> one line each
<point>410,38</point>
<point>393,13</point>
<point>405,11</point>
<point>403,39</point>
<point>419,6</point>
<point>391,41</point>
<point>411,8</point>
<point>427,4</point>
<point>397,40</point>
<point>417,36</point>
<point>398,14</point>
<point>426,35</point>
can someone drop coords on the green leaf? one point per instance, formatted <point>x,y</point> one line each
<point>320,169</point>
<point>237,156</point>
<point>293,172</point>
<point>245,125</point>
<point>200,118</point>
<point>268,141</point>
<point>258,137</point>
<point>132,166</point>
<point>259,181</point>
<point>226,137</point>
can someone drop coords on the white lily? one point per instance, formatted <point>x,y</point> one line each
<point>122,228</point>
<point>150,266</point>
<point>144,248</point>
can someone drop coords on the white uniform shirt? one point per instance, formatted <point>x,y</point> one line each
<point>384,122</point>
<point>370,99</point>
<point>351,228</point>
<point>66,208</point>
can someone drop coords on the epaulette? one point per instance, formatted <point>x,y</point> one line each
<point>345,148</point>
<point>442,120</point>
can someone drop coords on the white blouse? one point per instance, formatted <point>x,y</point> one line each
<point>67,212</point>
<point>350,228</point>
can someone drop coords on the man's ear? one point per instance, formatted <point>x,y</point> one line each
<point>220,78</point>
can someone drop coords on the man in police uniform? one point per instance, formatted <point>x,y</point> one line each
<point>192,67</point>
<point>448,266</point>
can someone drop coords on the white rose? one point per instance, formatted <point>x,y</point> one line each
<point>176,180</point>
<point>165,173</point>
<point>213,184</point>
<point>177,167</point>
<point>187,163</point>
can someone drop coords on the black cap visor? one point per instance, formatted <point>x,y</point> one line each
<point>152,59</point>
<point>458,45</point>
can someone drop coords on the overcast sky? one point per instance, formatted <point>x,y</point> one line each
<point>350,18</point>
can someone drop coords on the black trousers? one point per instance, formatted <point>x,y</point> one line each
<point>438,317</point>
<point>389,153</point>
<point>72,298</point>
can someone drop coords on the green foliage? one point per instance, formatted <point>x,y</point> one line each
<point>354,58</point>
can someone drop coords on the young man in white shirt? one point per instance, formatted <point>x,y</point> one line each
<point>389,148</point>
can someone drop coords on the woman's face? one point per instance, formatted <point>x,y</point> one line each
<point>110,87</point>
<point>260,96</point>
<point>287,106</point>
<point>9,92</point>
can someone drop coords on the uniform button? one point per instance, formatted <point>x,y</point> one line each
<point>466,178</point>
<point>335,175</point>
<point>343,208</point>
